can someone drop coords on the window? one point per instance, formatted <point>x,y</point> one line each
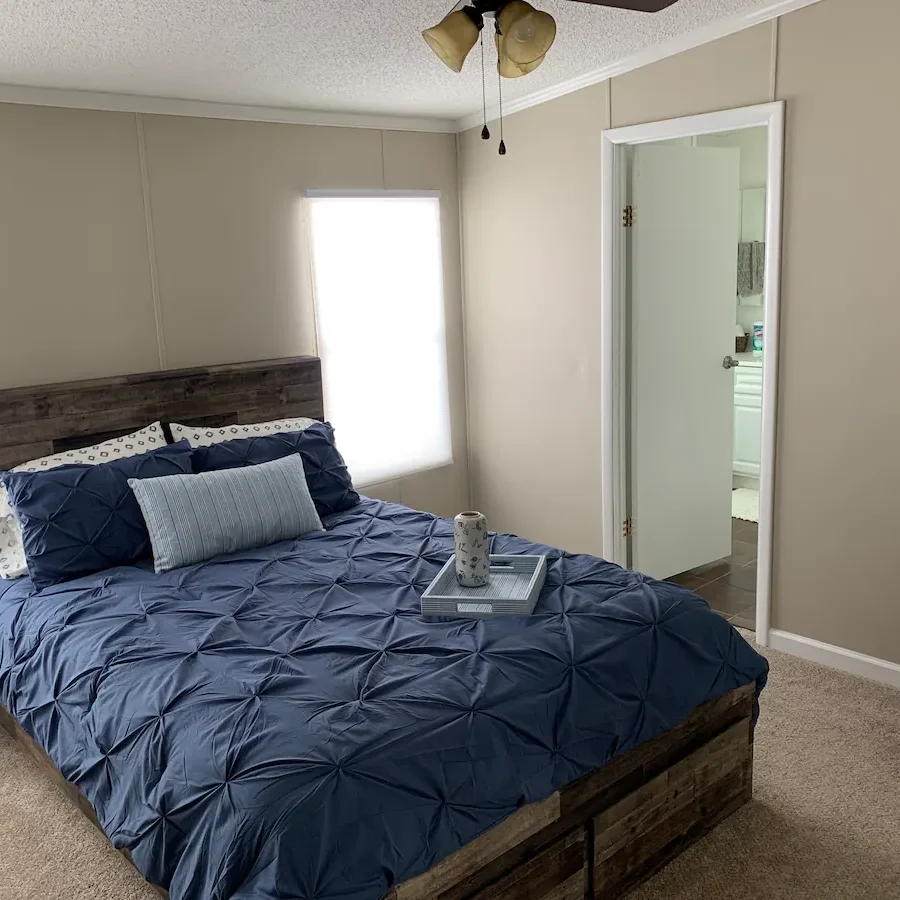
<point>379,298</point>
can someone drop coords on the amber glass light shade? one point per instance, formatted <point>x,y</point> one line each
<point>526,33</point>
<point>453,38</point>
<point>509,69</point>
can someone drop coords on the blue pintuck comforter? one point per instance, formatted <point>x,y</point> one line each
<point>282,723</point>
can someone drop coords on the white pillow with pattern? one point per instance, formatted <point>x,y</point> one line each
<point>204,435</point>
<point>12,554</point>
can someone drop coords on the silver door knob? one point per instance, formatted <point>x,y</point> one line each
<point>730,363</point>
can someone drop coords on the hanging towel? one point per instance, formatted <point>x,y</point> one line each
<point>751,274</point>
<point>745,269</point>
<point>758,263</point>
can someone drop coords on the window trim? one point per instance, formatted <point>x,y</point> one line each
<point>374,194</point>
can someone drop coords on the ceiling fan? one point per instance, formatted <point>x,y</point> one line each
<point>523,34</point>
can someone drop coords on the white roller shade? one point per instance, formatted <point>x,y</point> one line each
<point>379,298</point>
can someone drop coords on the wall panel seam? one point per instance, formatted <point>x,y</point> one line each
<point>151,242</point>
<point>470,495</point>
<point>609,117</point>
<point>773,71</point>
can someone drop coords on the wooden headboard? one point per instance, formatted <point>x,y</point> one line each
<point>51,418</point>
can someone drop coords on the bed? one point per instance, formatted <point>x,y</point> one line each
<point>282,722</point>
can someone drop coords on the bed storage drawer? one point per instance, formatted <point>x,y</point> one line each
<point>650,826</point>
<point>556,873</point>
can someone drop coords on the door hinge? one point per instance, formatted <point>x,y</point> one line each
<point>627,528</point>
<point>628,217</point>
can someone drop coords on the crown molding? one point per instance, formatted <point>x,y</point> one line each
<point>764,12</point>
<point>202,109</point>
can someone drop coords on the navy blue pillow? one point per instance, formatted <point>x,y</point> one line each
<point>326,472</point>
<point>81,519</point>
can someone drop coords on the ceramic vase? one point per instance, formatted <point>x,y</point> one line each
<point>472,558</point>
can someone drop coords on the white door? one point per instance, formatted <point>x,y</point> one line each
<point>683,284</point>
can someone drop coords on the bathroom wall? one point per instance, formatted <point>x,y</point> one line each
<point>753,145</point>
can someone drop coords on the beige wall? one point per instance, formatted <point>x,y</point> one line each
<point>94,206</point>
<point>74,271</point>
<point>531,247</point>
<point>839,423</point>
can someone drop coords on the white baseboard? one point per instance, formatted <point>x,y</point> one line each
<point>836,657</point>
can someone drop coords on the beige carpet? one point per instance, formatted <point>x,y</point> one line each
<point>824,822</point>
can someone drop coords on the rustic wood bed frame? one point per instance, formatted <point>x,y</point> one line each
<point>597,838</point>
<point>52,418</point>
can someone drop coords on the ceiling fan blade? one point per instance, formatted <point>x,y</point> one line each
<point>650,6</point>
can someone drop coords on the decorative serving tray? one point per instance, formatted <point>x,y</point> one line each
<point>513,590</point>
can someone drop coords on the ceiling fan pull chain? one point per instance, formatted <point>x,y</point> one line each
<point>502,150</point>
<point>485,132</point>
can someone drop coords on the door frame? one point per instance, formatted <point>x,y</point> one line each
<point>613,356</point>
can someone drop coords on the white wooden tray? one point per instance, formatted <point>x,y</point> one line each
<point>513,590</point>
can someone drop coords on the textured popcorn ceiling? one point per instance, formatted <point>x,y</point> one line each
<point>347,55</point>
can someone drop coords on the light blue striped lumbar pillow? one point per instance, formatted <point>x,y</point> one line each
<point>195,517</point>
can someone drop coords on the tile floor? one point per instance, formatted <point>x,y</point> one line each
<point>729,585</point>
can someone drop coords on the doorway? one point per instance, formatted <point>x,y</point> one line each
<point>691,256</point>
